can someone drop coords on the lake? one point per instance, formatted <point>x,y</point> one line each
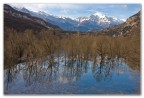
<point>108,76</point>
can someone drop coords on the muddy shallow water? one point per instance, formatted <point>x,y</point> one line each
<point>72,77</point>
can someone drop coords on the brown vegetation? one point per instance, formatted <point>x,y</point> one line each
<point>28,45</point>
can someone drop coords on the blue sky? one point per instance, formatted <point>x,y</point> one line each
<point>121,11</point>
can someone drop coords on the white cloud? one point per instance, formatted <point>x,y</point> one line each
<point>43,7</point>
<point>32,7</point>
<point>78,10</point>
<point>124,6</point>
<point>91,10</point>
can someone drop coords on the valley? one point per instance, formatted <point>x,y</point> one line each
<point>45,54</point>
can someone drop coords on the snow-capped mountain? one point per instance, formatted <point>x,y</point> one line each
<point>98,21</point>
<point>21,21</point>
<point>95,21</point>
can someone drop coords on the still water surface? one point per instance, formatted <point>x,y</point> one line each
<point>112,76</point>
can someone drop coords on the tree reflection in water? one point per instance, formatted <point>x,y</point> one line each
<point>61,71</point>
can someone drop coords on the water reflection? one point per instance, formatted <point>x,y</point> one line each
<point>64,73</point>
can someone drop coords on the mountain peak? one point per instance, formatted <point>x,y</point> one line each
<point>23,9</point>
<point>63,17</point>
<point>41,12</point>
<point>95,21</point>
<point>101,15</point>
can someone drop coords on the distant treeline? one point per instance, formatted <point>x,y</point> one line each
<point>28,45</point>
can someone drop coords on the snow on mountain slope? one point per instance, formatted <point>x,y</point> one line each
<point>22,21</point>
<point>95,21</point>
<point>81,19</point>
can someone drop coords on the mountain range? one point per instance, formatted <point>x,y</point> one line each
<point>96,21</point>
<point>129,27</point>
<point>22,21</point>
